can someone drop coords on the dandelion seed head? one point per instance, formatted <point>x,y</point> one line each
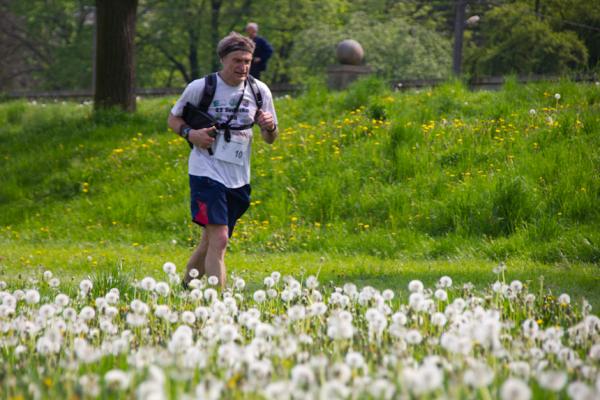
<point>564,299</point>
<point>162,288</point>
<point>415,286</point>
<point>32,296</point>
<point>169,268</point>
<point>269,282</point>
<point>85,286</point>
<point>213,280</point>
<point>515,389</point>
<point>552,380</point>
<point>148,283</point>
<point>259,296</point>
<point>445,282</point>
<point>441,295</point>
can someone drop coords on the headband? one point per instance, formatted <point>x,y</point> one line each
<point>234,47</point>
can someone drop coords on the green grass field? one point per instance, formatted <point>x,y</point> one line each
<point>365,185</point>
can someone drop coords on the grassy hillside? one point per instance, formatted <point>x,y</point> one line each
<point>440,173</point>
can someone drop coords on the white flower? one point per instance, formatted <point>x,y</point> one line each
<point>148,283</point>
<point>54,282</point>
<point>515,389</point>
<point>532,111</point>
<point>139,307</point>
<point>194,273</point>
<point>181,339</point>
<point>441,295</point>
<point>530,328</point>
<point>520,369</point>
<point>228,333</point>
<point>259,296</point>
<point>334,390</point>
<point>354,360</point>
<point>112,297</point>
<point>479,375</point>
<point>445,282</point>
<point>87,313</point>
<point>90,385</point>
<point>340,372</point>
<point>269,282</point>
<point>516,286</point>
<point>239,284</point>
<point>557,96</point>
<point>594,353</point>
<point>580,390</point>
<point>85,286</point>
<point>47,275</point>
<point>317,309</point>
<point>62,300</point>
<point>564,299</point>
<point>169,268</point>
<point>439,319</point>
<point>32,296</point>
<point>162,288</point>
<point>500,268</point>
<point>276,275</point>
<point>381,389</point>
<point>312,282</point>
<point>188,317</point>
<point>296,313</point>
<point>339,326</point>
<point>415,286</point>
<point>399,318</point>
<point>213,280</point>
<point>552,380</point>
<point>413,336</point>
<point>387,295</point>
<point>302,376</point>
<point>117,379</point>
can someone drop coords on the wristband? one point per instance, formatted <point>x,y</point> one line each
<point>184,132</point>
<point>272,130</point>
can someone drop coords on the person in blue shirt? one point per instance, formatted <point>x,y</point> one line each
<point>262,52</point>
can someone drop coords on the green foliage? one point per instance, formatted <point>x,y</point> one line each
<point>395,48</point>
<point>517,41</point>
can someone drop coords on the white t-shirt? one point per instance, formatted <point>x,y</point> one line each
<point>235,172</point>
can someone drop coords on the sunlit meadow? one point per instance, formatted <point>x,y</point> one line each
<point>292,339</point>
<point>377,207</point>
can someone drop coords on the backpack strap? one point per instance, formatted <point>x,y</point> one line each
<point>210,86</point>
<point>255,92</point>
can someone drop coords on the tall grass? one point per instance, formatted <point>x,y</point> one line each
<point>434,173</point>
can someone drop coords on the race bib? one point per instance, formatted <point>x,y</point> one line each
<point>233,151</point>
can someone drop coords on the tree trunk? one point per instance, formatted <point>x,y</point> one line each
<point>214,31</point>
<point>459,27</point>
<point>115,63</point>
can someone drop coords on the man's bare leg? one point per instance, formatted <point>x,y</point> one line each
<point>197,259</point>
<point>214,263</point>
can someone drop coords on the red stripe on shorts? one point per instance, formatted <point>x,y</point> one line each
<point>201,216</point>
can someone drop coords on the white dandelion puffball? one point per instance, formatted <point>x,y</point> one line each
<point>515,389</point>
<point>415,286</point>
<point>169,268</point>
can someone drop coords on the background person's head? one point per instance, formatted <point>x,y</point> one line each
<point>252,29</point>
<point>235,52</point>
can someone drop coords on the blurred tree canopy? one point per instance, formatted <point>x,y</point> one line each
<point>48,44</point>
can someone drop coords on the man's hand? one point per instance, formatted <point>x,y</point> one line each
<point>265,120</point>
<point>203,138</point>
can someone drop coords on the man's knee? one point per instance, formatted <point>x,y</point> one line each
<point>218,237</point>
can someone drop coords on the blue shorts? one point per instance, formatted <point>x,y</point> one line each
<point>212,203</point>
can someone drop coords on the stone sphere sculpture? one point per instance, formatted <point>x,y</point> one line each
<point>349,52</point>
